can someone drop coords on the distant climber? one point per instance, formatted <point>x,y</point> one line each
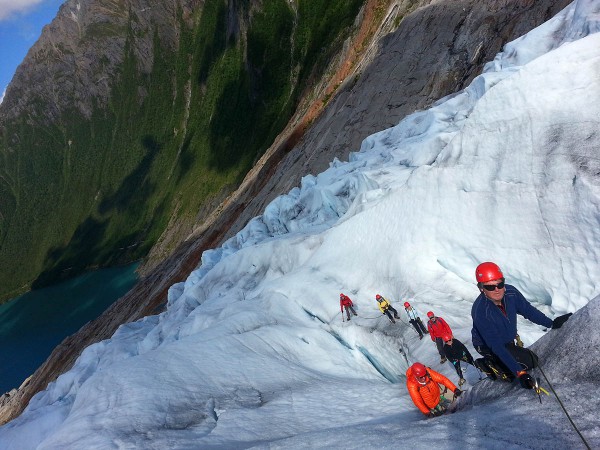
<point>415,320</point>
<point>422,384</point>
<point>437,328</point>
<point>386,308</point>
<point>494,314</point>
<point>346,303</point>
<point>455,351</point>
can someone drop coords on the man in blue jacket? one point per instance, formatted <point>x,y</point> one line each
<point>494,330</point>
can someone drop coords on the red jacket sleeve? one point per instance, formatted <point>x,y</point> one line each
<point>445,327</point>
<point>431,331</point>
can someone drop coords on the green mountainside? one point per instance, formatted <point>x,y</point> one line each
<point>112,129</point>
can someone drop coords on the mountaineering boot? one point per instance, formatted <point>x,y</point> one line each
<point>396,316</point>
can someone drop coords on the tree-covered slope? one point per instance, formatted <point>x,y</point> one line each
<point>128,114</point>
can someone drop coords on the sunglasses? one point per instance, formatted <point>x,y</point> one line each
<point>493,287</point>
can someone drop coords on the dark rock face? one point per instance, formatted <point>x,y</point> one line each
<point>435,51</point>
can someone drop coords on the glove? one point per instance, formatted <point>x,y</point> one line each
<point>526,380</point>
<point>519,341</point>
<point>458,392</point>
<point>560,320</point>
<point>436,412</point>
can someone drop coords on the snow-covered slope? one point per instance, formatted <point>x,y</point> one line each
<point>252,350</point>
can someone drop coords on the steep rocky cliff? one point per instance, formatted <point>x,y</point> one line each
<point>404,57</point>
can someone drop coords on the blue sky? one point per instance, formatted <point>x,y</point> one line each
<point>21,23</point>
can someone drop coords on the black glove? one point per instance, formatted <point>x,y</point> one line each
<point>458,392</point>
<point>560,320</point>
<point>526,381</point>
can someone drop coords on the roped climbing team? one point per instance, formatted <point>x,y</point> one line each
<point>494,336</point>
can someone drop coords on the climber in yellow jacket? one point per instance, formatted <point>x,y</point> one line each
<point>386,308</point>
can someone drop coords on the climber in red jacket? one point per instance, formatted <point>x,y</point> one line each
<point>345,302</point>
<point>437,329</point>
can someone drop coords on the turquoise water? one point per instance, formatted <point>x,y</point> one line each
<point>33,324</point>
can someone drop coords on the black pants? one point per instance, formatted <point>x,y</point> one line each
<point>389,314</point>
<point>439,343</point>
<point>423,327</point>
<point>348,309</point>
<point>416,325</point>
<point>525,357</point>
<point>456,353</point>
<point>456,364</point>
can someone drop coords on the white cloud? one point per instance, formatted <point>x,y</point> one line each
<point>10,7</point>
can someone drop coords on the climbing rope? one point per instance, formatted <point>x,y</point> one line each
<point>563,408</point>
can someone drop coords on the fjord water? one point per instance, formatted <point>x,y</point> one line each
<point>32,325</point>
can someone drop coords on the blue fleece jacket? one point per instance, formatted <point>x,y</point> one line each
<point>494,330</point>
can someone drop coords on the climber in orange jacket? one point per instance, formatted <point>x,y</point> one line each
<point>422,384</point>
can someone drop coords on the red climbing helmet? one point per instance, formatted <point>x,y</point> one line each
<point>488,271</point>
<point>378,296</point>
<point>419,370</point>
<point>430,314</point>
<point>406,305</point>
<point>446,337</point>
